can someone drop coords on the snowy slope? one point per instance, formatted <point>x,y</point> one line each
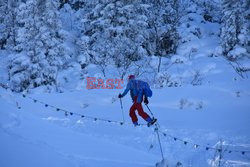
<point>217,108</point>
<point>83,142</point>
<point>67,147</point>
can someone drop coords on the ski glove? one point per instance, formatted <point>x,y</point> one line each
<point>119,96</point>
<point>146,100</point>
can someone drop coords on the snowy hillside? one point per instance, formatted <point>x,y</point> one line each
<point>208,114</point>
<point>193,53</point>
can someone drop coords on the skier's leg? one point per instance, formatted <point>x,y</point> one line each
<point>132,113</point>
<point>144,115</point>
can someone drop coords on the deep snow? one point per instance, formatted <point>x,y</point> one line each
<point>38,135</point>
<point>218,109</point>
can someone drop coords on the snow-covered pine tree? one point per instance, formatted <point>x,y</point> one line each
<point>117,33</point>
<point>80,39</point>
<point>164,20</point>
<point>170,38</point>
<point>211,10</point>
<point>24,65</point>
<point>74,4</point>
<point>3,28</point>
<point>235,29</point>
<point>52,36</point>
<point>8,23</point>
<point>39,52</point>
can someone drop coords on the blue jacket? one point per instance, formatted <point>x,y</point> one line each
<point>135,86</point>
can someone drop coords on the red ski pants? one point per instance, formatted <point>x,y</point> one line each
<point>138,107</point>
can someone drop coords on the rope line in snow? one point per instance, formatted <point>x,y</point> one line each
<point>185,142</point>
<point>207,148</point>
<point>67,112</point>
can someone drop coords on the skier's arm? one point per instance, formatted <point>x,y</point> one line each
<point>126,90</point>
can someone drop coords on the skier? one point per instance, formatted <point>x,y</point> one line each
<point>138,89</point>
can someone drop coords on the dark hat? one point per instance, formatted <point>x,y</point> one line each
<point>131,76</point>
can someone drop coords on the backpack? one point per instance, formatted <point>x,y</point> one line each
<point>141,85</point>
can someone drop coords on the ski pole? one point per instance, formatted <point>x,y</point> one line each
<point>157,132</point>
<point>159,140</point>
<point>122,110</point>
<point>152,115</point>
<point>150,111</point>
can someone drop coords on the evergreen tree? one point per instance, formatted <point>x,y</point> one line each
<point>116,32</point>
<point>39,52</point>
<point>235,29</point>
<point>164,21</point>
<point>3,29</point>
<point>8,23</point>
<point>211,10</point>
